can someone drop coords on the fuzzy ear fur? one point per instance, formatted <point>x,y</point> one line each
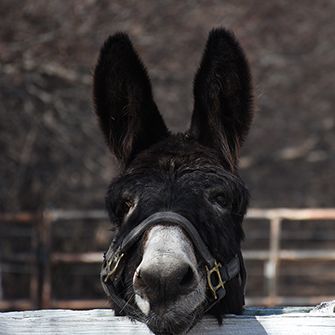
<point>124,104</point>
<point>222,97</point>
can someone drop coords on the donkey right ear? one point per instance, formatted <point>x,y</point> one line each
<point>223,104</point>
<point>127,113</point>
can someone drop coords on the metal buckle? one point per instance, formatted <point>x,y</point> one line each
<point>215,269</point>
<point>112,266</point>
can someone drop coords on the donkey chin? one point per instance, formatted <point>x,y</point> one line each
<point>178,203</point>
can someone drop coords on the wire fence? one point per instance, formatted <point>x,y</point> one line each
<point>42,257</point>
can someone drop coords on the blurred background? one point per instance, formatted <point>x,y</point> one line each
<point>55,167</point>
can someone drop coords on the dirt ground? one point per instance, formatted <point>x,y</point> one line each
<point>52,154</point>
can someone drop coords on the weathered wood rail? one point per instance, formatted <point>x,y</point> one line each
<point>255,321</point>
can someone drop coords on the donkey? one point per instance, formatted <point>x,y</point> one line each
<point>179,203</point>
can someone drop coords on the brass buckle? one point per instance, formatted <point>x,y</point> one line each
<point>214,269</point>
<point>112,265</point>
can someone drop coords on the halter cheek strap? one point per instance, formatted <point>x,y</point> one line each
<point>217,274</point>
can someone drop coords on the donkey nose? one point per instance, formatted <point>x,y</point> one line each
<point>165,280</point>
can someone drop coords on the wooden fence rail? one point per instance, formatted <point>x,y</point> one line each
<point>43,257</point>
<point>254,321</point>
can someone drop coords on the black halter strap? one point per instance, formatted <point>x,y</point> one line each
<point>217,274</point>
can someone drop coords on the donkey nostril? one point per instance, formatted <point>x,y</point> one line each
<point>188,277</point>
<point>146,279</point>
<point>173,281</point>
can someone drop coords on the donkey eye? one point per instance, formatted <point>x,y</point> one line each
<point>124,208</point>
<point>220,200</point>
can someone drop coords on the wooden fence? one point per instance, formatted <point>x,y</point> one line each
<point>42,256</point>
<point>254,321</point>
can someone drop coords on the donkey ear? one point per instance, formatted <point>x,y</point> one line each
<point>222,97</point>
<point>127,114</point>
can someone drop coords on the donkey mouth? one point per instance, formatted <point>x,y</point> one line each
<point>175,318</point>
<point>174,324</point>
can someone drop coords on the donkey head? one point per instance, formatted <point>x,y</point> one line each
<point>179,202</point>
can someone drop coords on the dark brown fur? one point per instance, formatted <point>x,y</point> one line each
<point>194,174</point>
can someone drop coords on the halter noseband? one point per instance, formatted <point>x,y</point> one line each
<point>217,274</point>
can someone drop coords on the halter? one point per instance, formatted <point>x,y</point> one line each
<point>217,274</point>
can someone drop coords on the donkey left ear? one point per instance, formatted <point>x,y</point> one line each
<point>124,104</point>
<point>222,97</point>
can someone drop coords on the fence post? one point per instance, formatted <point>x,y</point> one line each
<point>34,278</point>
<point>271,270</point>
<point>40,282</point>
